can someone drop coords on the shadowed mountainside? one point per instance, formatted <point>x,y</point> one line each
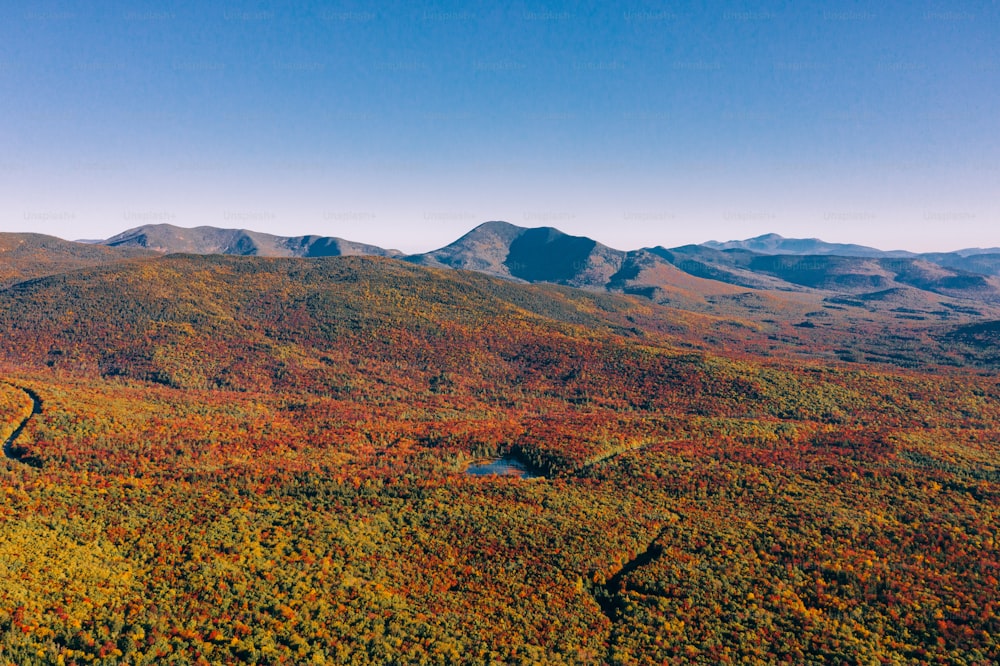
<point>545,254</point>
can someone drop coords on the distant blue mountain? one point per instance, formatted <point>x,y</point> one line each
<point>984,261</point>
<point>775,244</point>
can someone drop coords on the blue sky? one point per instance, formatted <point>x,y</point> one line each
<point>405,124</point>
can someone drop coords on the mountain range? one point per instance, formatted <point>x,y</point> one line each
<point>729,275</point>
<point>501,248</point>
<point>776,244</point>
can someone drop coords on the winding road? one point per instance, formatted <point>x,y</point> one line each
<point>36,408</point>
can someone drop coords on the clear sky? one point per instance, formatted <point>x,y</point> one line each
<point>404,124</point>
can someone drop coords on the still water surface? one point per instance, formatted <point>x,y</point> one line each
<point>508,465</point>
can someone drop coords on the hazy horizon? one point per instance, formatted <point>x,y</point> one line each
<point>407,125</point>
<point>422,250</point>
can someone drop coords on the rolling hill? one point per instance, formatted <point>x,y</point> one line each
<point>248,323</point>
<point>27,256</point>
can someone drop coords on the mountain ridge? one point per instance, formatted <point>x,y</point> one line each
<point>693,277</point>
<point>772,243</point>
<point>170,239</point>
<point>485,248</point>
<point>768,243</point>
<point>25,256</point>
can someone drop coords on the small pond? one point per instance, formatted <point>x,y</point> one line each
<point>508,465</point>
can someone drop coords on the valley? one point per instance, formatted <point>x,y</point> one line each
<point>742,457</point>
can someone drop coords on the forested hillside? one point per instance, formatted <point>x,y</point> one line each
<point>26,256</point>
<point>248,460</point>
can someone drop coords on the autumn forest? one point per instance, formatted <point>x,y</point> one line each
<point>219,460</point>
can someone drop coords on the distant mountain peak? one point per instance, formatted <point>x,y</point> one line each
<point>168,239</point>
<point>533,254</point>
<point>773,243</point>
<point>496,225</point>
